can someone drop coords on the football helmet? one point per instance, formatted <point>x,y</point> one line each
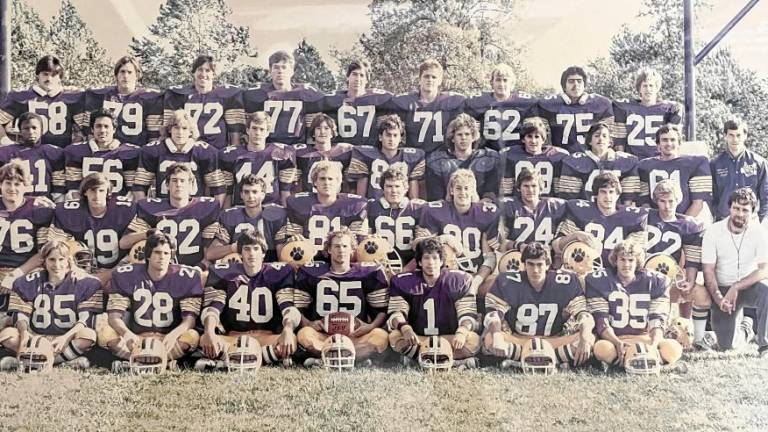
<point>82,256</point>
<point>453,251</point>
<point>511,261</point>
<point>136,254</point>
<point>538,356</point>
<point>233,257</point>
<point>338,352</point>
<point>667,266</point>
<point>680,329</point>
<point>148,357</point>
<point>298,252</point>
<point>375,248</point>
<point>339,323</point>
<point>36,355</point>
<point>435,353</point>
<point>244,355</point>
<point>581,258</point>
<point>642,359</point>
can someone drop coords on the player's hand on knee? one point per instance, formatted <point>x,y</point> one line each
<point>211,345</point>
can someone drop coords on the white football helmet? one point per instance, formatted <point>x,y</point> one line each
<point>538,356</point>
<point>436,353</point>
<point>244,355</point>
<point>36,355</point>
<point>149,357</point>
<point>642,359</point>
<point>338,352</point>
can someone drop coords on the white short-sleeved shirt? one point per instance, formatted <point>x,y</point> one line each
<point>735,255</point>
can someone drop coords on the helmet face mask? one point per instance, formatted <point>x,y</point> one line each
<point>149,357</point>
<point>436,354</point>
<point>642,359</point>
<point>244,355</point>
<point>82,256</point>
<point>338,353</point>
<point>538,357</point>
<point>36,356</point>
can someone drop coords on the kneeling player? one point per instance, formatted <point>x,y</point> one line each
<point>630,305</point>
<point>545,311</point>
<point>53,313</point>
<point>152,309</point>
<point>249,299</point>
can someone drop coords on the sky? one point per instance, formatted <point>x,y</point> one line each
<point>558,33</point>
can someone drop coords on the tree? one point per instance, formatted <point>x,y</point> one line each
<point>29,38</point>
<point>310,68</point>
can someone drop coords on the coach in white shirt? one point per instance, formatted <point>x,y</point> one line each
<point>735,262</point>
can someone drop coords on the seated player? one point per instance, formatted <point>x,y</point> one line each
<point>637,120</point>
<point>138,111</point>
<point>286,103</point>
<point>45,162</point>
<point>274,162</point>
<point>538,303</point>
<point>314,215</point>
<point>571,113</point>
<point>102,154</point>
<point>532,155</point>
<point>217,112</point>
<point>46,97</point>
<point>691,173</point>
<point>322,130</point>
<point>51,302</point>
<point>359,290</point>
<point>433,301</point>
<point>427,111</point>
<point>580,169</point>
<point>152,300</point>
<point>181,147</point>
<point>98,219</point>
<point>471,222</point>
<point>502,110</point>
<point>630,305</point>
<point>191,222</point>
<point>369,163</point>
<point>252,299</point>
<point>605,221</point>
<point>270,220</point>
<point>461,151</point>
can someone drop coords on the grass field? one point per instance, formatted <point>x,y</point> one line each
<point>716,394</point>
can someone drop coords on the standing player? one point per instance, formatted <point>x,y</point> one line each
<point>190,222</point>
<point>462,152</point>
<point>359,290</point>
<point>322,130</point>
<point>103,154</point>
<point>286,104</point>
<point>532,155</point>
<point>538,303</point>
<point>433,301</point>
<point>637,120</point>
<point>274,162</point>
<point>571,113</point>
<point>580,169</point>
<point>503,110</point>
<point>427,111</point>
<point>252,299</point>
<point>691,173</point>
<point>369,163</point>
<point>216,111</point>
<point>138,111</point>
<point>46,98</point>
<point>156,300</point>
<point>45,162</point>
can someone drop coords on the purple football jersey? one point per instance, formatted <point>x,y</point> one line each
<point>484,163</point>
<point>215,113</point>
<point>426,123</point>
<point>369,162</point>
<point>396,225</point>
<point>276,164</point>
<point>526,225</point>
<point>356,118</point>
<point>119,164</point>
<point>635,125</point>
<point>315,221</point>
<point>501,120</point>
<point>139,114</point>
<point>44,162</point>
<point>287,109</point>
<point>580,169</point>
<point>672,238</point>
<point>271,222</point>
<point>570,122</point>
<point>517,158</point>
<point>307,156</point>
<point>22,232</point>
<point>57,110</point>
<point>691,173</point>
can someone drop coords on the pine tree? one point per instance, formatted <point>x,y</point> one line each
<point>29,42</point>
<point>310,68</point>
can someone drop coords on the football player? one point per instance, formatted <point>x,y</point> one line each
<point>433,301</point>
<point>461,151</point>
<point>287,104</point>
<point>270,220</point>
<point>607,222</point>
<point>98,219</point>
<point>355,109</point>
<point>690,172</point>
<point>138,111</point>
<point>427,111</point>
<point>314,215</point>
<point>155,299</point>
<point>369,163</point>
<point>45,162</point>
<point>502,111</point>
<point>359,290</point>
<point>56,304</point>
<point>322,130</point>
<point>191,222</point>
<point>536,153</point>
<point>571,113</point>
<point>251,298</point>
<point>217,113</point>
<point>471,222</point>
<point>102,154</point>
<point>46,98</point>
<point>580,169</point>
<point>274,162</point>
<point>538,303</point>
<point>637,120</point>
<point>181,147</point>
<point>630,304</point>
